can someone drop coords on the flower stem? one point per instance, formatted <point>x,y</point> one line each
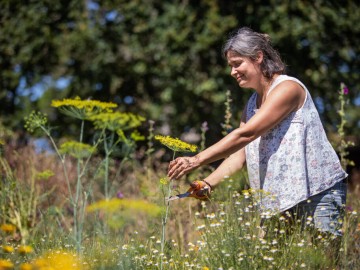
<point>164,221</point>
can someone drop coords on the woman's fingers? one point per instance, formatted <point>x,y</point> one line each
<point>176,171</point>
<point>179,167</point>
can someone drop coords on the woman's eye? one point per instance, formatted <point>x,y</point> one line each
<point>235,65</point>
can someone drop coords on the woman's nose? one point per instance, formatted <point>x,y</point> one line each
<point>233,71</point>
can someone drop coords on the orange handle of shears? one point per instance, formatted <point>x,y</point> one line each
<point>197,186</point>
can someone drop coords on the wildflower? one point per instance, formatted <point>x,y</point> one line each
<point>114,205</point>
<point>25,250</point>
<point>116,121</point>
<point>8,249</point>
<point>82,109</point>
<point>176,144</point>
<point>8,228</point>
<point>164,181</point>
<point>44,175</point>
<point>136,136</point>
<point>205,268</point>
<point>58,260</point>
<point>77,149</point>
<point>26,266</point>
<point>5,264</point>
<point>34,121</point>
<point>119,195</point>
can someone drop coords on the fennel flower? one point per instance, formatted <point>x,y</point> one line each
<point>116,120</point>
<point>34,121</point>
<point>114,205</point>
<point>5,264</point>
<point>8,228</point>
<point>58,260</point>
<point>77,149</point>
<point>176,144</point>
<point>25,250</point>
<point>82,109</point>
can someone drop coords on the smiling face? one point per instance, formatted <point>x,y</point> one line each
<point>245,70</point>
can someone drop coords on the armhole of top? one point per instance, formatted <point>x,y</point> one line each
<point>244,114</point>
<point>288,78</point>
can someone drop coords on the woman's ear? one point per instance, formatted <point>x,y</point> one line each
<point>260,57</point>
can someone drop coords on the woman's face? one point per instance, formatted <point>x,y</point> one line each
<point>246,72</point>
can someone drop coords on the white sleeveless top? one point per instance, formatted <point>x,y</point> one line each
<point>294,160</point>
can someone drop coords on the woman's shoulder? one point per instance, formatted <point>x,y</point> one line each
<point>289,89</point>
<point>288,80</point>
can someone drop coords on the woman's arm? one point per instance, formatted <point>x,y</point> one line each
<point>228,167</point>
<point>282,100</point>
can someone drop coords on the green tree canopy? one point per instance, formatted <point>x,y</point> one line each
<point>163,59</point>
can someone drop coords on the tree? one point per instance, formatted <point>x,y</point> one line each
<point>163,59</point>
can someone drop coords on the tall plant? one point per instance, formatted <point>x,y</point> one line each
<point>103,117</point>
<point>176,146</point>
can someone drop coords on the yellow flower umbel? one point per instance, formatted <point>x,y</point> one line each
<point>82,109</point>
<point>116,120</point>
<point>77,149</point>
<point>8,249</point>
<point>58,260</point>
<point>44,175</point>
<point>34,121</point>
<point>176,144</point>
<point>26,266</point>
<point>25,250</point>
<point>8,228</point>
<point>113,205</point>
<point>136,136</point>
<point>5,264</point>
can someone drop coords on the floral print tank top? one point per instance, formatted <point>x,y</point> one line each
<point>294,160</point>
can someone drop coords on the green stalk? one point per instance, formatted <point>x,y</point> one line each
<point>107,154</point>
<point>77,221</point>
<point>62,161</point>
<point>164,221</point>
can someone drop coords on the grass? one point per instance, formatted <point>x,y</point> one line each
<point>125,222</point>
<point>223,233</point>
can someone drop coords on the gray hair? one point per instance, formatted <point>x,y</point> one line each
<point>249,43</point>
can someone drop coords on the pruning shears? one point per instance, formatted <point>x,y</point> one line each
<point>198,189</point>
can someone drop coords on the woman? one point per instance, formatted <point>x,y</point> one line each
<point>280,138</point>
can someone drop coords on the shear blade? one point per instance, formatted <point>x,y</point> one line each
<point>179,196</point>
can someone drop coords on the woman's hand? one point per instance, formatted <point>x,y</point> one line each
<point>182,166</point>
<point>200,190</point>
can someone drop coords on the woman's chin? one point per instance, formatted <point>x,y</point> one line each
<point>242,84</point>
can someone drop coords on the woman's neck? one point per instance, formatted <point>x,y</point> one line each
<point>263,89</point>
